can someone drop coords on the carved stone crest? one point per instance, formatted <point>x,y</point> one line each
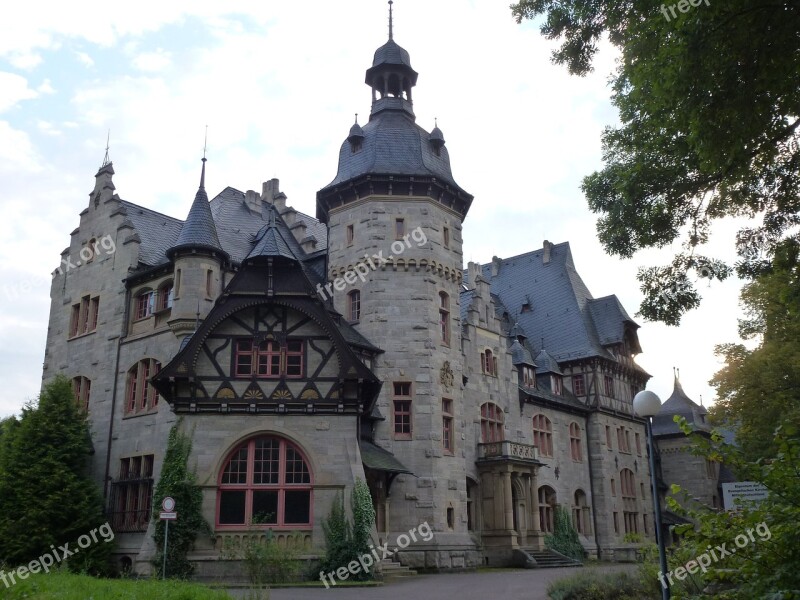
<point>446,375</point>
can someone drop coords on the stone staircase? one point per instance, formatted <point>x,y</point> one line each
<point>394,571</point>
<point>547,559</point>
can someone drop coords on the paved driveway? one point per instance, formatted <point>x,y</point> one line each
<point>501,585</point>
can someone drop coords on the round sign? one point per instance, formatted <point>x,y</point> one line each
<point>168,504</point>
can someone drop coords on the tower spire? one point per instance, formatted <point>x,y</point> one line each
<point>105,159</point>
<point>203,171</point>
<point>391,21</point>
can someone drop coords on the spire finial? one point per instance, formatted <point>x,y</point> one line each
<point>391,21</point>
<point>435,121</point>
<point>105,159</point>
<point>203,172</point>
<point>356,118</point>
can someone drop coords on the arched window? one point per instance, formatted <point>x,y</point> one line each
<point>547,508</point>
<point>580,513</point>
<point>354,305</point>
<point>165,294</point>
<point>444,316</point>
<point>575,441</point>
<point>140,395</point>
<point>145,304</point>
<point>491,423</point>
<point>81,387</point>
<point>266,481</point>
<point>627,483</point>
<point>489,363</point>
<point>543,435</point>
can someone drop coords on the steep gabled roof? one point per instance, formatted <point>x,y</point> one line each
<point>679,404</point>
<point>610,319</point>
<point>275,239</point>
<point>157,232</point>
<point>199,230</point>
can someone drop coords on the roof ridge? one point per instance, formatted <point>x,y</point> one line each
<point>150,210</point>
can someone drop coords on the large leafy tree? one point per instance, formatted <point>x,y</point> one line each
<point>46,496</point>
<point>760,388</point>
<point>709,109</point>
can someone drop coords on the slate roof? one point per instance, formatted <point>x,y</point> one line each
<point>391,53</point>
<point>393,145</point>
<point>679,404</point>
<point>465,300</point>
<point>379,459</point>
<point>157,232</point>
<point>546,364</point>
<point>520,354</point>
<point>198,230</point>
<point>562,315</point>
<point>275,239</point>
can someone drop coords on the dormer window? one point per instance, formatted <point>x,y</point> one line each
<point>526,307</point>
<point>557,385</point>
<point>528,377</point>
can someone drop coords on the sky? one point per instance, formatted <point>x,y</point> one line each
<point>278,85</point>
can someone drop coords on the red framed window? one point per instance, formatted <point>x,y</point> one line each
<point>488,363</point>
<point>401,402</point>
<point>269,359</point>
<point>145,304</point>
<point>165,296</point>
<point>81,387</point>
<point>558,385</point>
<point>83,318</point>
<point>444,317</point>
<point>132,494</point>
<point>579,385</point>
<point>528,377</point>
<point>575,442</point>
<point>547,508</point>
<point>608,382</point>
<point>491,423</point>
<point>140,395</point>
<point>354,305</point>
<point>448,442</point>
<point>267,482</point>
<point>627,484</point>
<point>543,435</point>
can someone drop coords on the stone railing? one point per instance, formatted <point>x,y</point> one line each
<point>233,541</point>
<point>508,449</point>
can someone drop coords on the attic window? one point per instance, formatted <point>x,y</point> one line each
<point>355,144</point>
<point>526,307</point>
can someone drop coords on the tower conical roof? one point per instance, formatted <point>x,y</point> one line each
<point>199,231</point>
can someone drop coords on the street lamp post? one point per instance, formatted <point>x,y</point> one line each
<point>646,404</point>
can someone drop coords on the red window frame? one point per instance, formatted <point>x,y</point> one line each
<point>543,435</point>
<point>145,303</point>
<point>492,418</point>
<point>268,359</point>
<point>575,442</point>
<point>81,387</point>
<point>402,418</point>
<point>262,465</point>
<point>354,305</point>
<point>165,296</point>
<point>448,441</point>
<point>579,385</point>
<point>140,395</point>
<point>444,317</point>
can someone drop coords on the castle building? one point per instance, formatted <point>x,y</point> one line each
<point>304,353</point>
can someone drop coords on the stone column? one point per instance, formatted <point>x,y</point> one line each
<point>535,505</point>
<point>508,502</point>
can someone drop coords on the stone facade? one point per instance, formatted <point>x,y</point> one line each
<point>353,345</point>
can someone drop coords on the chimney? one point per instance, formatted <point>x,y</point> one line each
<point>546,254</point>
<point>272,194</point>
<point>495,266</point>
<point>473,271</point>
<point>253,201</point>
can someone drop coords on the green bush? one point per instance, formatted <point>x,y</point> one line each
<point>66,586</point>
<point>344,542</point>
<point>593,585</point>
<point>266,561</point>
<point>564,538</point>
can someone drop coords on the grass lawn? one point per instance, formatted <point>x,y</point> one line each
<point>66,586</point>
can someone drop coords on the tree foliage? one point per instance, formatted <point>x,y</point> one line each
<point>709,115</point>
<point>346,541</point>
<point>46,495</point>
<point>178,482</point>
<point>763,536</point>
<point>760,388</point>
<point>564,538</point>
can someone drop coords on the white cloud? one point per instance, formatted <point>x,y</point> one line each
<point>46,87</point>
<point>85,59</point>
<point>25,60</point>
<point>152,62</point>
<point>17,153</point>
<point>47,128</point>
<point>13,89</point>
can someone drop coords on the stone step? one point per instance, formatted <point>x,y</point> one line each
<point>550,558</point>
<point>391,570</point>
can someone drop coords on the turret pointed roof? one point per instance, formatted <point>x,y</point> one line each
<point>679,404</point>
<point>198,231</point>
<point>275,239</point>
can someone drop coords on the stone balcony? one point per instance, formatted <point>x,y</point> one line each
<point>507,449</point>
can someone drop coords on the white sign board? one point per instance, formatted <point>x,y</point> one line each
<point>168,516</point>
<point>744,491</point>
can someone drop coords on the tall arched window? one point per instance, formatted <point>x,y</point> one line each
<point>354,305</point>
<point>81,387</point>
<point>627,483</point>
<point>444,316</point>
<point>140,395</point>
<point>575,442</point>
<point>547,508</point>
<point>580,513</point>
<point>491,423</point>
<point>266,481</point>
<point>543,435</point>
<point>630,509</point>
